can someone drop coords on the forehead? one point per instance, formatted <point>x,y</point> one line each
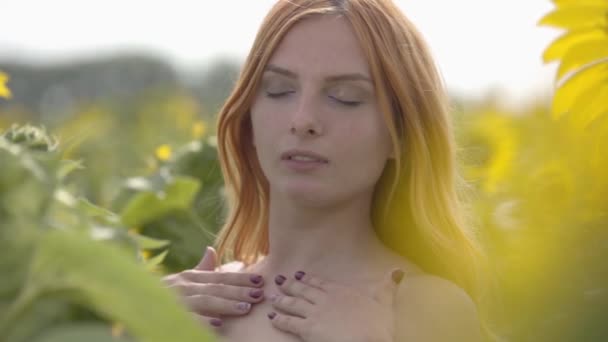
<point>319,46</point>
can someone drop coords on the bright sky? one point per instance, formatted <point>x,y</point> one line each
<point>479,44</point>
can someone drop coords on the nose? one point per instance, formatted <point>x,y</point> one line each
<point>305,120</point>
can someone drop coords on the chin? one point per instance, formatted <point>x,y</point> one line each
<point>307,193</point>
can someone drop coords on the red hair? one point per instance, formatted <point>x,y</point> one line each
<point>417,210</point>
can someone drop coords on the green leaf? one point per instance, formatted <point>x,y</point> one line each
<point>28,200</point>
<point>148,206</point>
<point>67,167</point>
<point>93,210</point>
<point>89,332</point>
<point>145,242</point>
<point>156,260</point>
<point>187,235</point>
<point>107,280</point>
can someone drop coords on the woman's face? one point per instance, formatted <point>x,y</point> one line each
<point>317,97</point>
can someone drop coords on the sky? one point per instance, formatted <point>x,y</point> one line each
<point>480,46</point>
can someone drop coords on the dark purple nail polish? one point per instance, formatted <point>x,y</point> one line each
<point>256,279</point>
<point>300,274</point>
<point>257,293</point>
<point>272,315</point>
<point>279,279</point>
<point>216,322</point>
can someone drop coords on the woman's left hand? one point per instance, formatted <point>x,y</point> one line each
<point>321,311</point>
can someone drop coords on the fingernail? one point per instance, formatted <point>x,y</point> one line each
<point>300,274</point>
<point>397,276</point>
<point>256,279</point>
<point>272,315</point>
<point>216,322</point>
<point>279,279</point>
<point>243,306</point>
<point>256,293</point>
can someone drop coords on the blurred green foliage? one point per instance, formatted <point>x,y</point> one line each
<point>67,263</point>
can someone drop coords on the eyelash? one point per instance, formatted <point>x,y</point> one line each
<point>345,103</point>
<point>277,95</point>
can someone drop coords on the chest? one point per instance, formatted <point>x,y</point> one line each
<point>254,327</point>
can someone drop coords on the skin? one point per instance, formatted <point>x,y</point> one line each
<point>308,110</point>
<point>211,293</point>
<point>319,220</point>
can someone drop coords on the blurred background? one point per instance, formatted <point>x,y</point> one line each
<point>132,89</point>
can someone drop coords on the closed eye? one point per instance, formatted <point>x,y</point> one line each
<point>278,94</point>
<point>346,103</point>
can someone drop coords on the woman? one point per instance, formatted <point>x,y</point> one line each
<point>344,219</point>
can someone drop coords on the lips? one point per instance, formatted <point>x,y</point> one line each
<point>303,155</point>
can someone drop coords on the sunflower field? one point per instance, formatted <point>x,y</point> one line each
<point>101,197</point>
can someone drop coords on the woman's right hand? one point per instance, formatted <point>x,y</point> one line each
<point>214,294</point>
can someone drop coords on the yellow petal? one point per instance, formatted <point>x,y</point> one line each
<point>577,16</point>
<point>561,3</point>
<point>583,53</point>
<point>559,47</point>
<point>575,86</point>
<point>590,105</point>
<point>163,152</point>
<point>4,90</point>
<point>145,254</point>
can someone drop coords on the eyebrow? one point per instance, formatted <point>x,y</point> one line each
<point>333,78</point>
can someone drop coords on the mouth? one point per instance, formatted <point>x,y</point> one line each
<point>304,156</point>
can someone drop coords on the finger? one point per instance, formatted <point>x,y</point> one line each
<point>296,288</point>
<point>311,280</point>
<point>212,322</point>
<point>171,279</point>
<point>238,293</point>
<point>215,306</point>
<point>290,324</point>
<point>227,278</point>
<point>292,305</point>
<point>209,260</point>
<point>387,291</point>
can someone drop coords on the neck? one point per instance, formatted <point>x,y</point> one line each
<point>323,241</point>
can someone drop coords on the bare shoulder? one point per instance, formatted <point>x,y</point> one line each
<point>430,308</point>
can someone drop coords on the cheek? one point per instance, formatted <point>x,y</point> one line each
<point>367,145</point>
<point>261,125</point>
<point>368,138</point>
<point>267,130</point>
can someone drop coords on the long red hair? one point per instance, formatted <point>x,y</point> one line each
<point>417,208</point>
